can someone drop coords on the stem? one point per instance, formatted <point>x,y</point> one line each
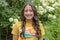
<point>0,33</point>
<point>7,33</point>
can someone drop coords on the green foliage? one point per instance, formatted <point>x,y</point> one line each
<point>48,13</point>
<point>9,12</point>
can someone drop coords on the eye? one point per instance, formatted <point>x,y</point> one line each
<point>28,10</point>
<point>25,10</point>
<point>31,10</point>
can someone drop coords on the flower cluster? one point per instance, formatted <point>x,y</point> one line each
<point>13,21</point>
<point>47,8</point>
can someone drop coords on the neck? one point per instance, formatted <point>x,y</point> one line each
<point>28,20</point>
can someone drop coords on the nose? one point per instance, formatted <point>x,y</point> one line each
<point>28,12</point>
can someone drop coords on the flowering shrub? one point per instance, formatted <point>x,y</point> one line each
<point>48,13</point>
<point>46,9</point>
<point>9,15</point>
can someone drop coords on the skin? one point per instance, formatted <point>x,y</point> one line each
<point>15,37</point>
<point>41,38</point>
<point>29,14</point>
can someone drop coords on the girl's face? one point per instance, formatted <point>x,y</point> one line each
<point>28,12</point>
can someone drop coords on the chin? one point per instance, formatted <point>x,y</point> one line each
<point>28,19</point>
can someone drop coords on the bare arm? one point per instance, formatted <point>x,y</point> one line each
<point>15,37</point>
<point>41,38</point>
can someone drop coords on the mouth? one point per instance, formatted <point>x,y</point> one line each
<point>29,15</point>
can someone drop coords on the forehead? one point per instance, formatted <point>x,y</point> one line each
<point>28,7</point>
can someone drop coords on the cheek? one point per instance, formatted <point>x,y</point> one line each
<point>24,13</point>
<point>32,14</point>
<point>29,14</point>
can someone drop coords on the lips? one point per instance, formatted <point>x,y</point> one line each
<point>29,15</point>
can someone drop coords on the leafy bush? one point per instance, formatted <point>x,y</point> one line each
<point>48,14</point>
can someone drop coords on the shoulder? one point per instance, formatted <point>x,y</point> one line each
<point>17,24</point>
<point>40,23</point>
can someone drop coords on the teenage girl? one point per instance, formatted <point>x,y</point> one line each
<point>29,28</point>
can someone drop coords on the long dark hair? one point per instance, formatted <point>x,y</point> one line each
<point>35,23</point>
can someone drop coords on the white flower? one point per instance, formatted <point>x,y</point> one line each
<point>52,1</point>
<point>44,4</point>
<point>36,6</point>
<point>55,4</point>
<point>10,19</point>
<point>41,12</point>
<point>45,10</point>
<point>50,15</point>
<point>40,8</point>
<point>54,17</point>
<point>15,20</point>
<point>41,0</point>
<point>49,8</point>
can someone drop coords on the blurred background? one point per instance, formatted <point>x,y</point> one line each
<point>48,14</point>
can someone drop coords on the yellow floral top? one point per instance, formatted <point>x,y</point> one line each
<point>29,31</point>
